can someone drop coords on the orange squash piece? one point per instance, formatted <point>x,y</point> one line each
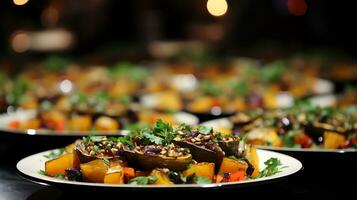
<point>58,165</point>
<point>231,166</point>
<point>104,123</point>
<point>162,177</point>
<point>114,175</point>
<point>203,169</point>
<point>253,158</point>
<point>94,171</point>
<point>80,122</point>
<point>333,140</point>
<point>69,148</point>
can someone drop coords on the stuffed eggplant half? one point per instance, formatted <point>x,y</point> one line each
<point>301,126</point>
<point>160,155</point>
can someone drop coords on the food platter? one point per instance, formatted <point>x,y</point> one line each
<point>224,123</point>
<point>22,115</point>
<point>30,166</point>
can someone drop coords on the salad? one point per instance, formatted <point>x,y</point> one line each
<point>159,155</point>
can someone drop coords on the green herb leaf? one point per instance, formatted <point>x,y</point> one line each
<point>273,166</point>
<point>126,140</point>
<point>42,172</point>
<point>96,138</point>
<point>60,176</point>
<point>184,127</point>
<point>208,87</point>
<point>143,180</point>
<point>86,140</point>
<point>202,180</point>
<point>163,130</point>
<point>205,129</point>
<point>151,139</point>
<point>55,153</point>
<point>96,149</point>
<point>106,161</point>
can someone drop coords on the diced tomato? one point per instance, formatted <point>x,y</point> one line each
<point>216,102</point>
<point>232,177</point>
<point>129,173</point>
<point>14,124</point>
<point>237,176</point>
<point>60,126</point>
<point>305,141</point>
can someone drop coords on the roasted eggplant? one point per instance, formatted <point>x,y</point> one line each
<point>154,156</point>
<point>95,147</point>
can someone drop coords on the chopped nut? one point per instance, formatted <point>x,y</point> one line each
<point>206,137</point>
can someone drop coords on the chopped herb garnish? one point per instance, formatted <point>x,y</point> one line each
<point>125,140</point>
<point>202,180</point>
<point>96,149</point>
<point>185,127</point>
<point>106,161</point>
<point>273,166</point>
<point>96,138</point>
<point>143,180</point>
<point>42,172</point>
<point>205,129</point>
<point>86,140</point>
<point>148,138</point>
<point>60,176</point>
<point>55,153</point>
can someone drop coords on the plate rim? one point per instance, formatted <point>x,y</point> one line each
<point>53,181</point>
<point>287,149</point>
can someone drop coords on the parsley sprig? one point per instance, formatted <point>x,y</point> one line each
<point>55,153</point>
<point>273,166</point>
<point>143,180</point>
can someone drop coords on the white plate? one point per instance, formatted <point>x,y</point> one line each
<point>225,123</point>
<point>23,115</point>
<point>31,165</point>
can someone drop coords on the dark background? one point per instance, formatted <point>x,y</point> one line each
<point>248,24</point>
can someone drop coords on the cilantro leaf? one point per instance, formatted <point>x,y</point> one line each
<point>273,166</point>
<point>106,161</point>
<point>205,129</point>
<point>151,139</point>
<point>143,180</point>
<point>60,176</point>
<point>125,140</point>
<point>202,180</point>
<point>55,153</point>
<point>163,130</point>
<point>96,138</point>
<point>184,127</point>
<point>96,149</point>
<point>42,172</point>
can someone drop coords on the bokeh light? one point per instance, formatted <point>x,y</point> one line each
<point>217,7</point>
<point>297,7</point>
<point>20,2</point>
<point>20,42</point>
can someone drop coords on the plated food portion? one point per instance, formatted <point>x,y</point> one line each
<point>302,126</point>
<point>161,155</point>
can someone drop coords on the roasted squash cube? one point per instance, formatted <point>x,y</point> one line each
<point>94,171</point>
<point>58,165</point>
<point>203,169</point>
